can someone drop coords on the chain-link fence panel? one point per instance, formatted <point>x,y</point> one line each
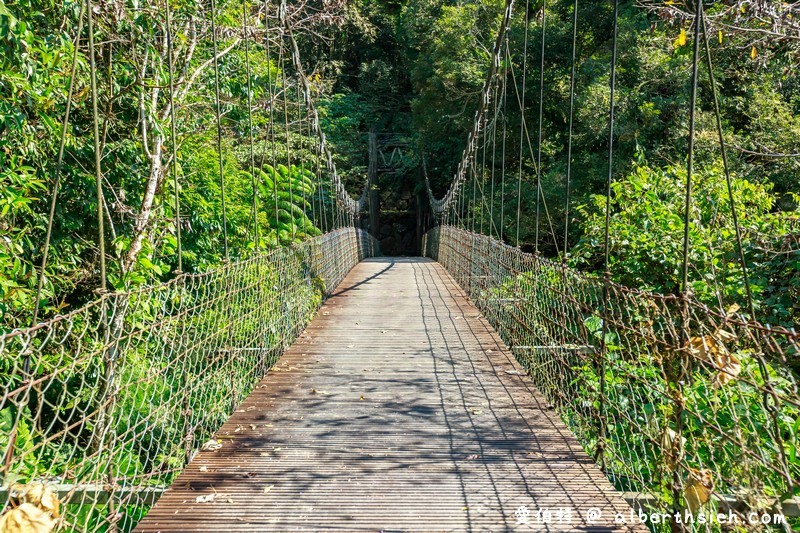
<point>106,405</point>
<point>687,409</point>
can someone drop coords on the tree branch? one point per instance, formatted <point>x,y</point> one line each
<point>188,85</point>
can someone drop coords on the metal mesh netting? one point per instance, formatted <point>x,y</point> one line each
<point>111,401</point>
<point>706,423</point>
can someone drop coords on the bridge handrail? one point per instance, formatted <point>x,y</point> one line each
<point>710,437</point>
<point>123,391</point>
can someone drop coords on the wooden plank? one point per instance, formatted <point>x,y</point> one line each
<point>398,409</point>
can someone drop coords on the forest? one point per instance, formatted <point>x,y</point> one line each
<point>414,68</point>
<point>431,60</point>
<point>184,163</point>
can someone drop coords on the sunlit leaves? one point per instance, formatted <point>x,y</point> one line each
<point>647,228</point>
<point>680,40</point>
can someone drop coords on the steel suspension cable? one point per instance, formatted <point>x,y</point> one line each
<point>59,166</point>
<point>600,451</point>
<point>218,112</point>
<point>522,116</point>
<point>485,206</point>
<point>503,150</point>
<point>305,132</point>
<point>685,293</point>
<point>571,121</point>
<point>494,158</point>
<point>322,210</point>
<point>541,113</point>
<point>321,182</point>
<point>98,173</point>
<point>306,129</point>
<point>272,134</point>
<point>286,128</point>
<point>473,169</point>
<point>684,287</point>
<point>249,85</point>
<point>173,135</point>
<point>483,177</point>
<point>461,206</point>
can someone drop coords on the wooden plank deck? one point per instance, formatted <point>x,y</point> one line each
<point>398,409</point>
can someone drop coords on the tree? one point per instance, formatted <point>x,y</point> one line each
<point>646,232</point>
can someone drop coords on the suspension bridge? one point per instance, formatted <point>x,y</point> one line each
<point>321,386</point>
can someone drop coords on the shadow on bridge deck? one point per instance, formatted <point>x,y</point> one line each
<point>398,409</point>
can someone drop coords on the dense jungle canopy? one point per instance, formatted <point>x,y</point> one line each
<point>414,68</point>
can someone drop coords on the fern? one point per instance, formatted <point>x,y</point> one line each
<point>286,193</point>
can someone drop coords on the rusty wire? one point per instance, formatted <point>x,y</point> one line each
<point>552,317</point>
<point>122,392</point>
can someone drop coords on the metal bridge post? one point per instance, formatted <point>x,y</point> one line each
<point>372,185</point>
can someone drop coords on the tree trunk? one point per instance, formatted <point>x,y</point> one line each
<point>146,211</point>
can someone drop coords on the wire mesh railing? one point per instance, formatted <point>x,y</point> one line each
<point>108,403</point>
<point>688,409</point>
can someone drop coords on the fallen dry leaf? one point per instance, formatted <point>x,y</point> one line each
<point>712,350</point>
<point>268,488</point>
<point>672,448</point>
<point>698,489</point>
<point>211,445</point>
<point>27,518</point>
<point>37,494</point>
<point>208,498</point>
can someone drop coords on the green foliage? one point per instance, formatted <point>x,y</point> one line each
<point>19,187</point>
<point>287,194</point>
<point>35,54</point>
<point>646,231</point>
<point>448,47</point>
<point>773,253</point>
<point>624,402</point>
<point>36,59</point>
